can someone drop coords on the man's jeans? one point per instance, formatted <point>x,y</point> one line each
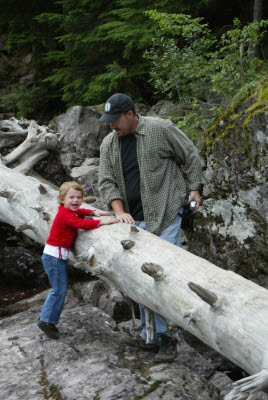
<point>56,271</point>
<point>173,235</point>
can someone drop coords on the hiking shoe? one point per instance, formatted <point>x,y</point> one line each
<point>139,342</point>
<point>167,350</point>
<point>50,329</point>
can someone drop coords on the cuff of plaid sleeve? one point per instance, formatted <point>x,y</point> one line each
<point>114,198</point>
<point>198,187</point>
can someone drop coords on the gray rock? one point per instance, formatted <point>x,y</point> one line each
<point>90,362</point>
<point>234,212</point>
<point>166,109</point>
<point>82,135</point>
<point>27,80</point>
<point>87,174</point>
<point>106,298</point>
<point>18,264</point>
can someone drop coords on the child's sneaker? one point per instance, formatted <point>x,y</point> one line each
<point>50,329</point>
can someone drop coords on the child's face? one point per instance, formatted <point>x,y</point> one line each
<point>73,199</point>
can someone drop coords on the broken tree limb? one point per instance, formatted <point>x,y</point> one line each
<point>12,132</point>
<point>35,147</point>
<point>26,166</point>
<point>221,308</point>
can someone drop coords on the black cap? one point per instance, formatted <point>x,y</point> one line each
<point>115,105</point>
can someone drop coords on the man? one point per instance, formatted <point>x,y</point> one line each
<point>148,170</point>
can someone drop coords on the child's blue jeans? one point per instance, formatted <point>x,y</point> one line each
<point>56,271</point>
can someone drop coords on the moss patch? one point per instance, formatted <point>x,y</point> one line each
<point>49,391</point>
<point>245,106</point>
<point>152,388</point>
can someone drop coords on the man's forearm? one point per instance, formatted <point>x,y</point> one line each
<point>120,213</point>
<point>117,206</point>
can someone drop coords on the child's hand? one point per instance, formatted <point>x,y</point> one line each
<point>97,213</point>
<point>108,221</point>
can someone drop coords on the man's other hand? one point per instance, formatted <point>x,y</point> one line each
<point>125,217</point>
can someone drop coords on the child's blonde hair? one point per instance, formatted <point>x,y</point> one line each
<point>69,185</point>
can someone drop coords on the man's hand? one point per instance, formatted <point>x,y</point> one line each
<point>120,213</point>
<point>194,195</point>
<point>125,217</point>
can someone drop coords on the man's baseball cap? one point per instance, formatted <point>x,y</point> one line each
<point>115,105</point>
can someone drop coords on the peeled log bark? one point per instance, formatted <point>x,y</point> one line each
<point>224,310</point>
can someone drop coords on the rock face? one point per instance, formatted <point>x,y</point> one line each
<point>90,362</point>
<point>231,228</point>
<point>82,135</point>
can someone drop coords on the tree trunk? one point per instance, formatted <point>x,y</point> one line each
<point>257,10</point>
<point>257,15</point>
<point>224,310</point>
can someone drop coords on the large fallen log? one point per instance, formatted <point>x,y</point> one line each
<point>224,310</point>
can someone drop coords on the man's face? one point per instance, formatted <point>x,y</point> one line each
<point>125,124</point>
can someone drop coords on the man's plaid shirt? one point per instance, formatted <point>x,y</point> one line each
<point>169,166</point>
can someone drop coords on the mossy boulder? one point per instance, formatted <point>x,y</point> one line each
<point>231,228</point>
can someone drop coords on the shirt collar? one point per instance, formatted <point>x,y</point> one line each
<point>140,128</point>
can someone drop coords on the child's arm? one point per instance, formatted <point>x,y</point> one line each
<point>73,220</point>
<point>98,213</point>
<point>78,222</point>
<point>108,221</point>
<point>84,212</point>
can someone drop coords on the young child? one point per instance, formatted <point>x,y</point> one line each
<point>55,256</point>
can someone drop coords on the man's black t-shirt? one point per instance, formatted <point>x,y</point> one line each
<point>131,174</point>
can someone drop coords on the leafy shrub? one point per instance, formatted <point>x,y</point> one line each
<point>189,64</point>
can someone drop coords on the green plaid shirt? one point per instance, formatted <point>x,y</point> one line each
<point>169,166</point>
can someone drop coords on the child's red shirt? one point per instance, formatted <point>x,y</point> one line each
<point>66,225</point>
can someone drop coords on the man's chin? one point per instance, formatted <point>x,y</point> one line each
<point>120,133</point>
